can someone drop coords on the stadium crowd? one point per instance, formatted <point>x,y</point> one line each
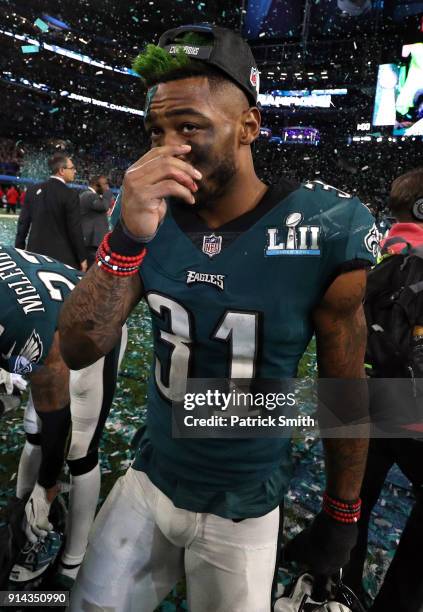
<point>361,168</point>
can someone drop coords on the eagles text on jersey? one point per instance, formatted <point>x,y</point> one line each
<point>236,302</point>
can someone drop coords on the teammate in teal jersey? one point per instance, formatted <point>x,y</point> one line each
<point>238,275</point>
<point>32,290</point>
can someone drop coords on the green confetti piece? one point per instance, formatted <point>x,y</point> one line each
<point>41,25</point>
<point>30,48</point>
<point>53,110</point>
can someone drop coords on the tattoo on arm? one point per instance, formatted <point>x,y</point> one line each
<point>341,342</point>
<point>93,314</point>
<point>50,382</point>
<point>341,336</point>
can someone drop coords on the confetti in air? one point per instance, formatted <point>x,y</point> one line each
<point>41,25</point>
<point>30,48</point>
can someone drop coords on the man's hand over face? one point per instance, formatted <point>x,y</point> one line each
<point>160,173</point>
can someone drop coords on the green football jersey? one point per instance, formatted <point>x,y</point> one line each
<point>237,302</point>
<point>32,290</point>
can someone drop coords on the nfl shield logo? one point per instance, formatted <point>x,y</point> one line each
<point>212,245</point>
<point>255,78</point>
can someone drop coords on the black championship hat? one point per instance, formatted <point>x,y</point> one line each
<point>226,50</point>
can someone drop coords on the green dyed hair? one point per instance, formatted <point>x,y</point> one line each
<point>155,65</point>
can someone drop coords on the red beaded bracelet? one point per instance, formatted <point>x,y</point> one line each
<point>352,505</point>
<point>342,511</point>
<point>116,264</point>
<point>123,258</point>
<point>113,259</point>
<point>116,270</point>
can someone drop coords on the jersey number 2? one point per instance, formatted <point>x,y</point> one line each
<point>52,282</point>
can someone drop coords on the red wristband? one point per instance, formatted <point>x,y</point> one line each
<point>343,511</point>
<point>116,263</point>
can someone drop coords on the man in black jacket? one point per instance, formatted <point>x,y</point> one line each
<point>52,218</point>
<point>95,202</point>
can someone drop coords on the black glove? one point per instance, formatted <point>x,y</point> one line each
<point>323,547</point>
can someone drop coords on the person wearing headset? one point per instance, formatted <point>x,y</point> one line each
<point>406,204</point>
<point>402,589</point>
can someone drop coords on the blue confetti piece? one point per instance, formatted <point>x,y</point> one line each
<point>41,25</point>
<point>30,48</point>
<point>53,110</point>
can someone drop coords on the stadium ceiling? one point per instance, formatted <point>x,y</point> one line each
<point>125,27</point>
<point>55,51</point>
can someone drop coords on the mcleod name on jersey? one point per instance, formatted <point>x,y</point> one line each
<point>32,290</point>
<point>237,302</point>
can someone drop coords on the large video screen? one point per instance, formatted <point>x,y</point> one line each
<point>399,93</point>
<point>273,19</point>
<point>399,10</point>
<point>342,17</point>
<point>269,19</point>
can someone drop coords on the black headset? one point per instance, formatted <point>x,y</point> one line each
<point>417,209</point>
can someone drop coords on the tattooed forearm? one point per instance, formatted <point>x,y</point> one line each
<point>341,341</point>
<point>93,314</point>
<point>345,461</point>
<point>50,382</point>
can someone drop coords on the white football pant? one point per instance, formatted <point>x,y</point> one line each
<point>141,545</point>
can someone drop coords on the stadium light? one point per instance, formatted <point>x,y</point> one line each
<point>80,57</point>
<point>72,96</point>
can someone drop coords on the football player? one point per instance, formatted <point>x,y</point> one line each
<point>238,275</point>
<point>32,290</point>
